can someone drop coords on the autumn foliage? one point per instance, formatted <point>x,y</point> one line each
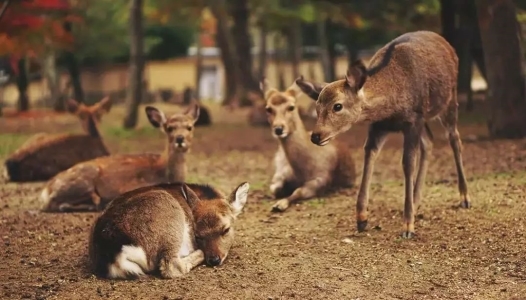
<point>29,26</point>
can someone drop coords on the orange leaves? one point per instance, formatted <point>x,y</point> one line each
<point>29,26</point>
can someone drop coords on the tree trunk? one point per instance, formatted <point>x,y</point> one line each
<point>135,83</point>
<point>73,69</point>
<point>53,82</point>
<point>240,14</point>
<point>501,39</point>
<point>22,82</point>
<point>447,18</point>
<point>324,50</point>
<point>198,66</point>
<point>262,50</point>
<point>295,44</point>
<point>224,42</point>
<point>278,58</point>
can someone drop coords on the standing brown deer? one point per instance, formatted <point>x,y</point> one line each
<point>92,184</point>
<point>411,80</point>
<point>45,155</point>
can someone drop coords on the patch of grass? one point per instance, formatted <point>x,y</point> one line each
<point>9,142</point>
<point>119,132</point>
<point>316,203</point>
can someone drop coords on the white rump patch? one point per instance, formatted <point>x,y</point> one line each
<point>187,245</point>
<point>131,261</point>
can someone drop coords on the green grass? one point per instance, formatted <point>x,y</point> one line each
<point>9,142</point>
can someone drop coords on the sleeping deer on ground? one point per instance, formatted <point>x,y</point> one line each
<point>302,170</point>
<point>90,185</point>
<point>45,155</point>
<point>411,80</point>
<point>170,228</point>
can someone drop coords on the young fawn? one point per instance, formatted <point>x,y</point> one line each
<point>302,170</point>
<point>170,228</point>
<point>411,80</point>
<point>45,155</point>
<point>92,184</point>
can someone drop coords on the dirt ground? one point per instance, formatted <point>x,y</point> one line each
<point>312,251</point>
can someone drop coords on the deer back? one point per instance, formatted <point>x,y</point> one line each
<point>46,155</point>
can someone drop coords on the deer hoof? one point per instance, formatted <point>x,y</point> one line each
<point>361,225</point>
<point>465,204</point>
<point>408,235</point>
<point>280,206</point>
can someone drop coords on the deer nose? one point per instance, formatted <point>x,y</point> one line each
<point>179,139</point>
<point>213,260</point>
<point>315,138</point>
<point>278,130</point>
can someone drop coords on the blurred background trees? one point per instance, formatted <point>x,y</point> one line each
<point>48,38</point>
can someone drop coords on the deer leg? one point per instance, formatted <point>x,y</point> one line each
<point>171,265</point>
<point>308,190</point>
<point>375,141</point>
<point>193,260</point>
<point>455,142</point>
<point>425,150</point>
<point>412,135</point>
<point>281,184</point>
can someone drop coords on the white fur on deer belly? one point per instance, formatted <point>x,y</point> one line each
<point>187,245</point>
<point>131,260</point>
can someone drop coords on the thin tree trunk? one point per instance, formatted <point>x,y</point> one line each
<point>262,50</point>
<point>53,82</point>
<point>324,50</point>
<point>240,14</point>
<point>135,85</point>
<point>198,66</point>
<point>223,41</point>
<point>73,69</point>
<point>22,83</point>
<point>502,39</point>
<point>279,61</point>
<point>295,44</point>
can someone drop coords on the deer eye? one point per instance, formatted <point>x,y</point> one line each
<point>169,129</point>
<point>269,110</point>
<point>291,108</point>
<point>337,107</point>
<point>226,231</point>
<point>189,128</point>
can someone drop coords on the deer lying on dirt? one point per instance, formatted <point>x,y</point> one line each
<point>45,155</point>
<point>302,170</point>
<point>92,184</point>
<point>170,228</point>
<point>411,80</point>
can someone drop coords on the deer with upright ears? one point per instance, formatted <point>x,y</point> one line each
<point>170,228</point>
<point>90,185</point>
<point>45,155</point>
<point>411,80</point>
<point>302,170</point>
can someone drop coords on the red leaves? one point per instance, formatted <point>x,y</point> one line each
<point>28,26</point>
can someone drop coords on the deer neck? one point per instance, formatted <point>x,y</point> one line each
<point>175,162</point>
<point>93,130</point>
<point>375,106</point>
<point>297,142</point>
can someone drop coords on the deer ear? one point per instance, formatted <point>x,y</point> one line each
<point>155,116</point>
<point>105,104</point>
<point>238,198</point>
<point>356,75</point>
<point>189,196</point>
<point>193,111</point>
<point>311,89</point>
<point>72,106</point>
